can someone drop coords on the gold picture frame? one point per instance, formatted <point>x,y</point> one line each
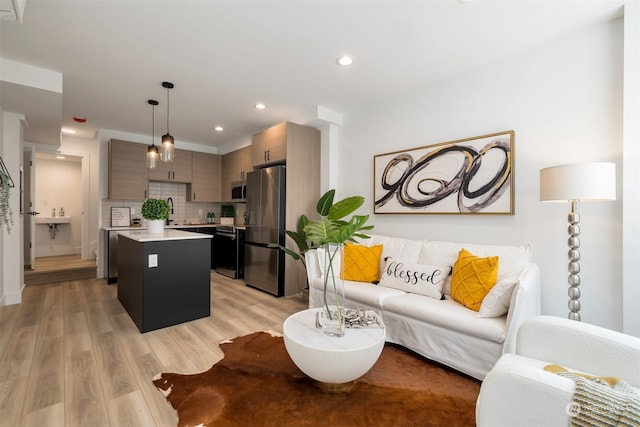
<point>466,176</point>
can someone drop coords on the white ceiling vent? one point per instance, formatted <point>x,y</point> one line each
<point>12,10</point>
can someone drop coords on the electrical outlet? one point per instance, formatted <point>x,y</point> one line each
<point>153,260</point>
<point>133,211</point>
<point>200,212</point>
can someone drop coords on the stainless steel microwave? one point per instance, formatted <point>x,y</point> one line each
<point>239,191</point>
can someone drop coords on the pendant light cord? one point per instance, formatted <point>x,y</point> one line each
<point>168,109</point>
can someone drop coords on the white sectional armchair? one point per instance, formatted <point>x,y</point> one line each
<point>519,392</point>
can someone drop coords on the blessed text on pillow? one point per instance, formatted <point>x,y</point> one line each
<point>415,278</point>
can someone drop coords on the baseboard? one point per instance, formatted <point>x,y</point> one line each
<point>12,298</point>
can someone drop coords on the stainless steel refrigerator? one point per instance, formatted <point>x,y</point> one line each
<point>264,266</point>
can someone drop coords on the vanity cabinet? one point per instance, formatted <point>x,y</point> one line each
<point>128,176</point>
<point>180,170</point>
<point>235,166</point>
<point>205,182</point>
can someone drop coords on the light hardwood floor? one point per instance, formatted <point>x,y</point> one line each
<point>70,355</point>
<point>61,262</point>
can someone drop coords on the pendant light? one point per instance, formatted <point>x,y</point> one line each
<point>167,149</point>
<point>152,151</point>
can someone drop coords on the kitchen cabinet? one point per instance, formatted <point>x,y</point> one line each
<point>164,279</point>
<point>301,151</point>
<point>205,182</point>
<point>180,170</point>
<point>269,146</point>
<point>128,173</point>
<point>235,166</point>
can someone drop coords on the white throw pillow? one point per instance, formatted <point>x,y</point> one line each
<point>415,278</point>
<point>513,259</point>
<point>496,302</point>
<point>394,247</point>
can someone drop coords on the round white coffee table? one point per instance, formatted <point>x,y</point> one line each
<point>332,360</point>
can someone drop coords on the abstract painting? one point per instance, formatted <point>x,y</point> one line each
<point>465,176</point>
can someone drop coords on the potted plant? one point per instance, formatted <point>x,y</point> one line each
<point>156,212</point>
<point>6,215</point>
<point>227,214</point>
<point>330,232</point>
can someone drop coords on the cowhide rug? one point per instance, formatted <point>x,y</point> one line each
<point>257,384</point>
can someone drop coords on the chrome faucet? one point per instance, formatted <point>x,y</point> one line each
<point>170,201</point>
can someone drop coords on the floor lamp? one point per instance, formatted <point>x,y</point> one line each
<point>585,182</point>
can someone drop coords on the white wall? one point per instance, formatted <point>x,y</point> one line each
<point>59,185</point>
<point>2,232</point>
<point>631,219</point>
<point>564,102</point>
<point>11,266</point>
<point>89,150</point>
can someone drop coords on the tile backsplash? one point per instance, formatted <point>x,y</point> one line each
<point>183,212</point>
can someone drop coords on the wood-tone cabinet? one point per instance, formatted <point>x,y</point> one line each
<point>128,176</point>
<point>235,166</point>
<point>205,182</point>
<point>270,145</point>
<point>299,147</point>
<point>180,170</point>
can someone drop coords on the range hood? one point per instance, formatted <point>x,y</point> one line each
<point>12,10</point>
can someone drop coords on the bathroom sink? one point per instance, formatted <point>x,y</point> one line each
<point>53,220</point>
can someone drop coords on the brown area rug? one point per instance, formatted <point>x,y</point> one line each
<point>257,384</point>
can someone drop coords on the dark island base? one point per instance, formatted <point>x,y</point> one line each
<point>176,291</point>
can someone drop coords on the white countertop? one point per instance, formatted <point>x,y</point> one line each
<point>168,234</point>
<point>171,227</point>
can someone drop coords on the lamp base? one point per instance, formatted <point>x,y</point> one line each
<point>574,262</point>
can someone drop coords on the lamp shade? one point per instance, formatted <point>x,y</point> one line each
<point>585,182</point>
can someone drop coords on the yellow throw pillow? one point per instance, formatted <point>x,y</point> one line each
<point>472,278</point>
<point>562,371</point>
<point>361,263</point>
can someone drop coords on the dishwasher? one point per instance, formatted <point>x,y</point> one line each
<point>228,252</point>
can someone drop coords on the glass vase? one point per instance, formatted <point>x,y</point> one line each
<point>332,314</point>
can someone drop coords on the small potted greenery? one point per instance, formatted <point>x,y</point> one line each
<point>156,212</point>
<point>6,215</point>
<point>227,215</point>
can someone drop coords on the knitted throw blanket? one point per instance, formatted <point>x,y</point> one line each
<point>601,401</point>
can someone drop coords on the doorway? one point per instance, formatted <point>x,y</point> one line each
<point>55,231</point>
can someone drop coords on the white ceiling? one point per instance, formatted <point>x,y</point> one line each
<point>224,56</point>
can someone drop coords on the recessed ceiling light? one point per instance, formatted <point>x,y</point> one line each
<point>344,60</point>
<point>259,106</point>
<point>218,129</point>
<point>68,131</point>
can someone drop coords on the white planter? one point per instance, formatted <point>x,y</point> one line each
<point>155,226</point>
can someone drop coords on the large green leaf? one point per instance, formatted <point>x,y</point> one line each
<point>299,239</point>
<point>344,207</point>
<point>322,231</point>
<point>302,222</point>
<point>325,202</point>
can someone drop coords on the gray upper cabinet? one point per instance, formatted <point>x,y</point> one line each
<point>235,166</point>
<point>180,170</point>
<point>128,176</point>
<point>270,145</point>
<point>205,183</point>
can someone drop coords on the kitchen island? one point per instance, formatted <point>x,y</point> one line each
<point>164,279</point>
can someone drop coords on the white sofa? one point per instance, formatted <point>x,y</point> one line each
<point>519,392</point>
<point>443,330</point>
